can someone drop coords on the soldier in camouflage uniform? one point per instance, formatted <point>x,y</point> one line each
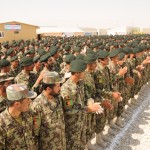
<point>49,125</point>
<point>116,75</point>
<point>16,122</point>
<point>4,82</point>
<point>103,95</point>
<point>72,92</point>
<point>15,67</point>
<point>54,53</point>
<point>25,76</point>
<point>90,91</point>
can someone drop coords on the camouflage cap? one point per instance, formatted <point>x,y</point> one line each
<point>5,77</point>
<point>19,91</point>
<point>102,54</point>
<point>52,78</point>
<point>26,61</point>
<point>90,58</point>
<point>78,65</point>
<point>4,63</point>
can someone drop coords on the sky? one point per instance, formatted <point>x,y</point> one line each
<point>77,13</point>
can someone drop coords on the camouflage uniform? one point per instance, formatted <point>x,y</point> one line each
<point>16,133</point>
<point>27,79</point>
<point>103,91</point>
<point>90,91</point>
<point>3,104</point>
<point>75,114</point>
<point>49,124</point>
<point>14,72</point>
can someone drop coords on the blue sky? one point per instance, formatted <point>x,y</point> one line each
<point>73,13</point>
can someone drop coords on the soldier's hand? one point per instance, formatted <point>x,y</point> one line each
<point>129,80</point>
<point>139,75</point>
<point>94,107</point>
<point>140,67</point>
<point>117,96</point>
<point>123,71</point>
<point>107,104</point>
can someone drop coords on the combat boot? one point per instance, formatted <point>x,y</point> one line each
<point>91,146</point>
<point>105,137</point>
<point>119,122</point>
<point>111,131</point>
<point>100,141</point>
<point>113,124</point>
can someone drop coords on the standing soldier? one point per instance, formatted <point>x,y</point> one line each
<point>15,68</point>
<point>4,82</point>
<point>49,125</point>
<point>25,77</point>
<point>75,111</point>
<point>16,122</point>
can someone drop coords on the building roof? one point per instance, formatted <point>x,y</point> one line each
<point>16,22</point>
<point>56,30</point>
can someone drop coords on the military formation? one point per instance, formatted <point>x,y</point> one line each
<point>58,93</point>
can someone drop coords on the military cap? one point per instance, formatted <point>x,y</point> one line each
<point>18,92</point>
<point>80,56</point>
<point>114,52</point>
<point>121,55</point>
<point>90,51</point>
<point>26,61</point>
<point>14,58</point>
<point>102,54</point>
<point>52,78</point>
<point>78,65</point>
<point>77,49</point>
<point>36,58</point>
<point>67,47</point>
<point>9,51</point>
<point>21,47</point>
<point>69,58</point>
<point>53,50</point>
<point>5,77</point>
<point>4,63</point>
<point>5,44</point>
<point>44,58</point>
<point>135,50</point>
<point>90,58</point>
<point>41,52</point>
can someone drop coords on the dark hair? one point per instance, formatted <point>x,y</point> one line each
<point>44,86</point>
<point>11,103</point>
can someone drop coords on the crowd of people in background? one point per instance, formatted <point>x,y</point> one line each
<point>58,93</point>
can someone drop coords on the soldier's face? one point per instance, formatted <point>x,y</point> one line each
<point>56,89</point>
<point>105,61</point>
<point>80,75</point>
<point>15,63</point>
<point>24,105</point>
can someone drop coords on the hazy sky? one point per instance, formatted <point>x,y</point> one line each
<point>73,13</point>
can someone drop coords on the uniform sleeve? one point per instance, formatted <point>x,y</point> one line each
<point>71,106</point>
<point>2,136</point>
<point>36,113</point>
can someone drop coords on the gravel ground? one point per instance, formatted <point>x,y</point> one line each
<point>136,133</point>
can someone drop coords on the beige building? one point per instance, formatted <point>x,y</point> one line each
<point>16,30</point>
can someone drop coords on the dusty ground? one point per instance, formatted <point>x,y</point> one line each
<point>135,135</point>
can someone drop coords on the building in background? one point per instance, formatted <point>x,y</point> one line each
<point>16,30</point>
<point>124,31</point>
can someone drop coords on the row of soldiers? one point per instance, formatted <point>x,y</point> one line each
<point>78,86</point>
